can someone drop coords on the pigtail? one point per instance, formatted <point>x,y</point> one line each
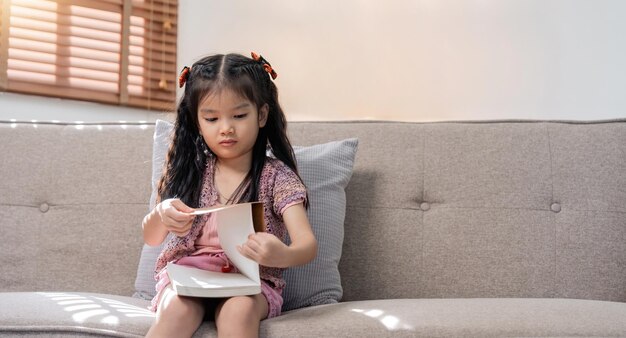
<point>277,133</point>
<point>187,155</point>
<point>184,164</point>
<point>278,141</point>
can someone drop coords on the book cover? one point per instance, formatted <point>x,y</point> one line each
<point>234,223</point>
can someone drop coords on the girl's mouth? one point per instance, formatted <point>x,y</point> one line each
<point>228,142</point>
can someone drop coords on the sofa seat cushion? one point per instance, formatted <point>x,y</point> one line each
<point>64,314</point>
<point>475,317</point>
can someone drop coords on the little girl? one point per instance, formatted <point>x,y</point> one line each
<point>226,121</point>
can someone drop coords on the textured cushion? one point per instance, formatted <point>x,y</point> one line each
<point>326,170</point>
<point>73,314</point>
<point>144,281</point>
<point>71,199</point>
<point>470,317</point>
<point>69,314</point>
<point>482,209</point>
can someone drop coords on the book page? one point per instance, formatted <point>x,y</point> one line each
<point>208,210</point>
<point>190,281</point>
<point>234,224</point>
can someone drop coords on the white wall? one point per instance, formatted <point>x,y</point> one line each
<point>30,107</point>
<point>414,60</point>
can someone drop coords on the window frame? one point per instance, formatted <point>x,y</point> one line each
<point>154,81</point>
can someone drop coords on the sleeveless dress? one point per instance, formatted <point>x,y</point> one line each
<point>279,188</point>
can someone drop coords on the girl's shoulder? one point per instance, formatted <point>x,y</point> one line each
<point>276,169</point>
<point>275,165</point>
<point>283,185</point>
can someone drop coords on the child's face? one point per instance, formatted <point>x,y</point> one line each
<point>229,124</point>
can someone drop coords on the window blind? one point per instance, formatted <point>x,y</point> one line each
<point>112,51</point>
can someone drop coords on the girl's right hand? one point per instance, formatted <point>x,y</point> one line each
<point>175,215</point>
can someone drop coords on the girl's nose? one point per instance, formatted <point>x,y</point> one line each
<point>227,129</point>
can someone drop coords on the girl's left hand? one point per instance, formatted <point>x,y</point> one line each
<point>265,249</point>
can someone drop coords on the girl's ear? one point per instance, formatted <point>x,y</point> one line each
<point>263,113</point>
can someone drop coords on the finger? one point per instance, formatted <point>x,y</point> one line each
<point>253,246</point>
<point>244,251</point>
<point>172,223</point>
<point>256,238</point>
<point>178,225</point>
<point>241,251</point>
<point>179,233</point>
<point>180,216</point>
<point>180,206</point>
<point>186,223</point>
<point>183,227</point>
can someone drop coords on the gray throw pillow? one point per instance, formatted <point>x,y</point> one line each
<point>144,281</point>
<point>326,170</point>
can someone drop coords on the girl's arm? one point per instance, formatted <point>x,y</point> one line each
<point>171,215</point>
<point>266,249</point>
<point>303,247</point>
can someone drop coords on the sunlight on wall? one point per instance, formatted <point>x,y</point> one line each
<point>389,321</point>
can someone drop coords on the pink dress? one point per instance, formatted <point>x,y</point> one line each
<point>279,188</point>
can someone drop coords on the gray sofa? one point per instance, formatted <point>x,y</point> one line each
<point>499,228</point>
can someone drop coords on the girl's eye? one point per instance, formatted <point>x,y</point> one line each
<point>240,116</point>
<point>211,119</point>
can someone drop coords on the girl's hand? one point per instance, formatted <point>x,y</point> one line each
<point>265,249</point>
<point>175,216</point>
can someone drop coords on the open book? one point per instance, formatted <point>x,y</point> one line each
<point>234,223</point>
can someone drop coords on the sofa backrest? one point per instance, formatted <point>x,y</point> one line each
<point>434,210</point>
<point>483,209</point>
<point>72,198</point>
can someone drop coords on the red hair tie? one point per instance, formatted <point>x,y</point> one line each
<point>266,65</point>
<point>184,75</point>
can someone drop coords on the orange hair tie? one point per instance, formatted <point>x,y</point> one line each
<point>184,74</point>
<point>266,65</point>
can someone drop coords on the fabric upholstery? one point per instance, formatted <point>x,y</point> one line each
<point>487,228</point>
<point>470,207</point>
<point>81,314</point>
<point>487,317</point>
<point>144,280</point>
<point>71,201</point>
<point>66,313</point>
<point>326,170</point>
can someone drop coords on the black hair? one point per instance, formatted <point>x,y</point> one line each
<point>185,162</point>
